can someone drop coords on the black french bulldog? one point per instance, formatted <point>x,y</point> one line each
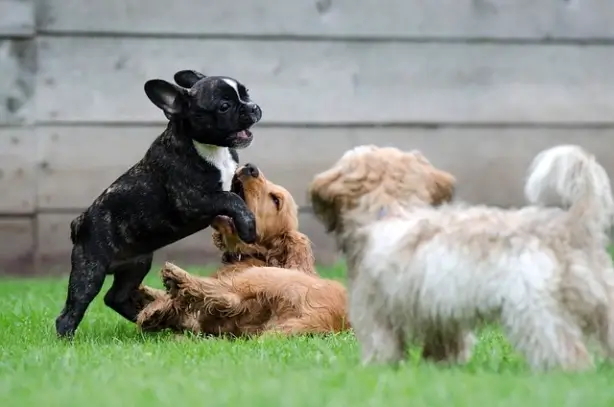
<point>180,185</point>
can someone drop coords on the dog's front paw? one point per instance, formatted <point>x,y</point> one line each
<point>224,225</point>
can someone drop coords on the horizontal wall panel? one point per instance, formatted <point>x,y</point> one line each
<point>489,163</point>
<point>17,71</point>
<point>18,170</point>
<point>100,80</point>
<point>17,18</point>
<point>17,250</point>
<point>405,19</point>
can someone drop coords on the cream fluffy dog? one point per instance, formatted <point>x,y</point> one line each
<point>427,271</point>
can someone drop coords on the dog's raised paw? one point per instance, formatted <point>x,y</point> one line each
<point>224,225</point>
<point>171,286</point>
<point>173,278</point>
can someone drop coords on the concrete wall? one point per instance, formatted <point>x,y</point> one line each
<point>479,85</point>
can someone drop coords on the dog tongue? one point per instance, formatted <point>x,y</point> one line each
<point>242,134</point>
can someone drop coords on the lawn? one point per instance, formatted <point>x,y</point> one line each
<point>111,364</point>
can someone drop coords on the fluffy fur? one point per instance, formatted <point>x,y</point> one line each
<point>264,298</point>
<point>279,243</point>
<point>258,300</point>
<point>431,274</point>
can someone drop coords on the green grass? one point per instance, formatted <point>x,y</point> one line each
<point>111,364</point>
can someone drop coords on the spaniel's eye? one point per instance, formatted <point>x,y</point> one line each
<point>275,200</point>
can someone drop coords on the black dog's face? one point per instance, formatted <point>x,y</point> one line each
<point>218,108</point>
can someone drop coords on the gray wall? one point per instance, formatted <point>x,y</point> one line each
<point>479,85</point>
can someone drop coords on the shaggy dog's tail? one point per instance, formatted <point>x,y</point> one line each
<point>569,177</point>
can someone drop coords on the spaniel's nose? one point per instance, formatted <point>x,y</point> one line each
<point>250,170</point>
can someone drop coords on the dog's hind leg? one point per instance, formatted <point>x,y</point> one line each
<point>605,321</point>
<point>150,294</point>
<point>122,297</point>
<point>548,339</point>
<point>163,313</point>
<point>86,279</point>
<point>452,346</point>
<point>212,294</point>
<point>606,333</point>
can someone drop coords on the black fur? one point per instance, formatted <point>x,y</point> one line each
<point>171,193</point>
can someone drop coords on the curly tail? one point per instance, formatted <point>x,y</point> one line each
<point>569,177</point>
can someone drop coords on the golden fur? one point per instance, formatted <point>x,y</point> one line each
<point>279,242</point>
<point>290,302</point>
<point>279,246</point>
<point>423,270</point>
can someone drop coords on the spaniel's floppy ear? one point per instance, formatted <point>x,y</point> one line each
<point>293,250</point>
<point>442,188</point>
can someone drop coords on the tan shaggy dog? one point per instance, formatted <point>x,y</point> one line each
<point>192,304</point>
<point>425,274</point>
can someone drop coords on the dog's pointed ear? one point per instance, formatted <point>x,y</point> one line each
<point>166,96</point>
<point>187,78</point>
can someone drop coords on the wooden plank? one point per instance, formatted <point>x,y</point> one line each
<point>334,82</point>
<point>17,248</point>
<point>54,246</point>
<point>489,163</point>
<point>18,67</point>
<point>17,170</point>
<point>78,163</point>
<point>17,18</point>
<point>405,19</point>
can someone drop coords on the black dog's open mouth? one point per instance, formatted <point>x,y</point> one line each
<point>244,135</point>
<point>237,187</point>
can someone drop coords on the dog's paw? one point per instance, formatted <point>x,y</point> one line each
<point>172,278</point>
<point>224,225</point>
<point>171,286</point>
<point>147,294</point>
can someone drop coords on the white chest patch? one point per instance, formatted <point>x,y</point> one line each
<point>221,159</point>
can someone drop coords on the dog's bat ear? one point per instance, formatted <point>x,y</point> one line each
<point>187,78</point>
<point>166,96</point>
